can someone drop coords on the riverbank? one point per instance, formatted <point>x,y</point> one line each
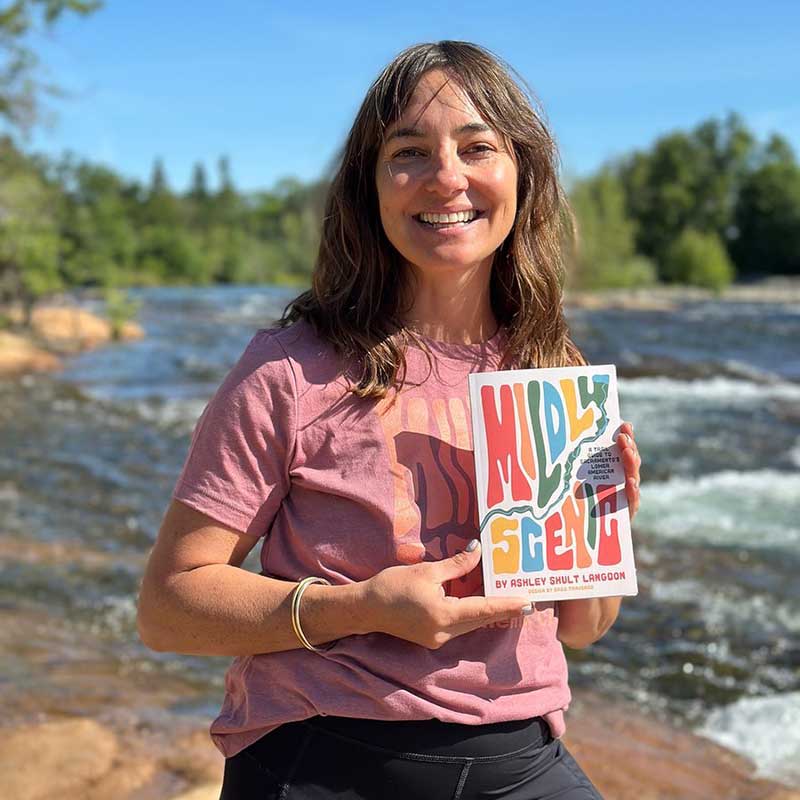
<point>55,332</point>
<point>126,754</point>
<point>668,298</point>
<point>60,329</point>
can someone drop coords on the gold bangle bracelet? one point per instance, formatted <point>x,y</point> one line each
<point>297,593</point>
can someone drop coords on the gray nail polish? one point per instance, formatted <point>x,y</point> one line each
<point>527,610</point>
<point>472,545</point>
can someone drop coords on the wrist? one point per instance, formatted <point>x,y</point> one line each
<point>333,612</point>
<point>362,607</point>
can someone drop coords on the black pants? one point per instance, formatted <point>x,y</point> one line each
<point>351,759</point>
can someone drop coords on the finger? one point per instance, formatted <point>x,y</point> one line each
<point>465,627</point>
<point>630,463</point>
<point>633,493</point>
<point>478,611</point>
<point>462,563</point>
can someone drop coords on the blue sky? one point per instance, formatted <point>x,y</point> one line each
<point>275,85</point>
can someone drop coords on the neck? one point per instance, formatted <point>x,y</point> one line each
<point>452,306</point>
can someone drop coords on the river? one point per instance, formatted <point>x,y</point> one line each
<point>90,455</point>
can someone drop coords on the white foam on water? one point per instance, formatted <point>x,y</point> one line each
<point>764,729</point>
<point>117,615</point>
<point>794,453</point>
<point>9,493</point>
<point>717,390</point>
<point>748,509</point>
<point>730,607</point>
<point>181,413</point>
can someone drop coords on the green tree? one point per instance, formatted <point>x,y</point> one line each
<point>169,254</point>
<point>767,216</point>
<point>604,255</point>
<point>198,192</point>
<point>687,180</point>
<point>98,238</point>
<point>29,236</point>
<point>160,206</point>
<point>226,200</point>
<point>21,87</point>
<point>699,259</point>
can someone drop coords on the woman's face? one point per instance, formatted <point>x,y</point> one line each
<point>441,158</point>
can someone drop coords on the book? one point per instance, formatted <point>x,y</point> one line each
<point>552,507</point>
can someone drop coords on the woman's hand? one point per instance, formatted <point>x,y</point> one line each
<point>631,463</point>
<point>408,601</point>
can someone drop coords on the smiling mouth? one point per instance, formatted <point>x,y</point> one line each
<point>459,219</point>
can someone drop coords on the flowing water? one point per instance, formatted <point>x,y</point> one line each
<point>89,457</point>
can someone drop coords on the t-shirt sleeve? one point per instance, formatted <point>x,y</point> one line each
<point>237,468</point>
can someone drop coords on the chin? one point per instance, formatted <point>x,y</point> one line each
<point>444,262</point>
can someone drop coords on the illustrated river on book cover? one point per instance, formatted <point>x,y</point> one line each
<point>551,497</point>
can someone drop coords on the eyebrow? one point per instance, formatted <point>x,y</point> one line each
<point>415,133</point>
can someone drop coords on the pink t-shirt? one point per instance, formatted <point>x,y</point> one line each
<point>342,487</point>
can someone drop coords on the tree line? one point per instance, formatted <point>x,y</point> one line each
<point>699,207</point>
<point>71,223</point>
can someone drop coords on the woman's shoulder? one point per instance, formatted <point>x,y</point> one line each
<point>310,358</point>
<point>297,340</point>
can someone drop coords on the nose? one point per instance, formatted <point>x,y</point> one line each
<point>447,176</point>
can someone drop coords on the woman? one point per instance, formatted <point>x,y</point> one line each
<point>341,437</point>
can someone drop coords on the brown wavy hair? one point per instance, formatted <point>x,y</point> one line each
<point>357,297</point>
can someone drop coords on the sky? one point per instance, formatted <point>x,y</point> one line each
<point>275,85</point>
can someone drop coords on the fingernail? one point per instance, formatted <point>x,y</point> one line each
<point>627,439</point>
<point>472,545</point>
<point>527,610</point>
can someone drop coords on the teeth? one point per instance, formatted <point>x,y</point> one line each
<point>458,216</point>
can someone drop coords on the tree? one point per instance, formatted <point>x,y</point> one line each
<point>160,206</point>
<point>198,198</point>
<point>226,201</point>
<point>767,216</point>
<point>687,181</point>
<point>20,86</point>
<point>98,238</point>
<point>198,192</point>
<point>29,237</point>
<point>699,259</point>
<point>605,254</point>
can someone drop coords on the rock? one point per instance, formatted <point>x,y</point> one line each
<point>196,759</point>
<point>208,791</point>
<point>19,355</point>
<point>631,756</point>
<point>124,780</point>
<point>62,759</point>
<point>73,328</point>
<point>63,329</point>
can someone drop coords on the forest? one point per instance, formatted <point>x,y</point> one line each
<point>704,207</point>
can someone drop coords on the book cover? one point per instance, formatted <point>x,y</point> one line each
<point>552,507</point>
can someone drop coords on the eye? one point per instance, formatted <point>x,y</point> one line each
<point>479,149</point>
<point>409,152</point>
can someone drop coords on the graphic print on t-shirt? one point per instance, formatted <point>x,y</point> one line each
<point>429,441</point>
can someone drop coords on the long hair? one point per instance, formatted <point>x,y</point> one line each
<point>357,292</point>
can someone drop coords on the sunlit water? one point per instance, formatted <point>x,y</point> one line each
<point>90,455</point>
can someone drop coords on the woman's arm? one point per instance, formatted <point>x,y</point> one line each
<point>582,622</point>
<point>196,599</point>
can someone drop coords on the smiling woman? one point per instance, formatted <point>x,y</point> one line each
<point>447,191</point>
<point>341,443</point>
